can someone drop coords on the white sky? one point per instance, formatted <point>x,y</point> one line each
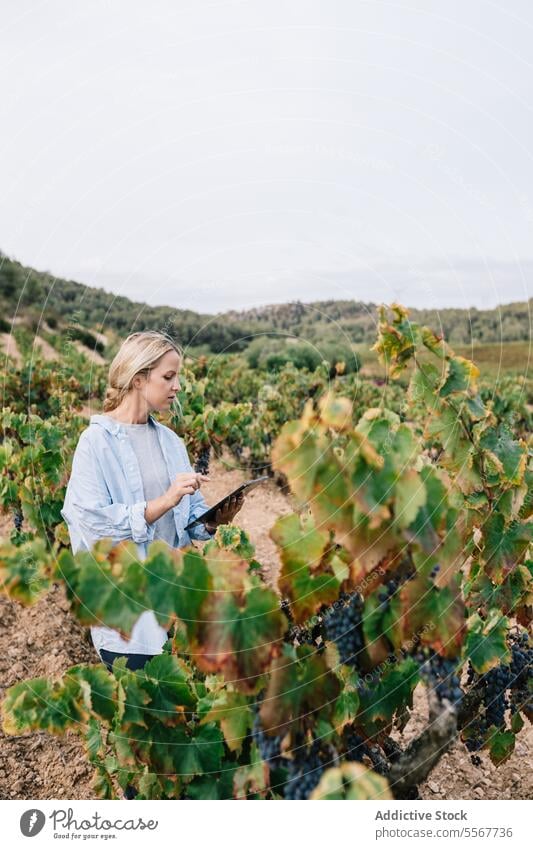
<point>220,155</point>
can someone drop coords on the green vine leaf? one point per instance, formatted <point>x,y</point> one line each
<point>486,644</point>
<point>501,746</point>
<point>303,577</point>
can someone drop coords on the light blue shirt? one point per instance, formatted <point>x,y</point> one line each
<point>105,498</point>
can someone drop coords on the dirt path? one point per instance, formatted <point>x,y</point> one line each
<point>90,353</point>
<point>45,640</point>
<point>261,508</point>
<point>47,351</point>
<point>38,641</point>
<point>455,777</point>
<point>9,348</point>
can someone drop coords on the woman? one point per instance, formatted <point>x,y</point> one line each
<point>131,478</point>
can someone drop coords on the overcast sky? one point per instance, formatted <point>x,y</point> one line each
<point>222,155</point>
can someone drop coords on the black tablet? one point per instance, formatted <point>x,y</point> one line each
<point>210,514</point>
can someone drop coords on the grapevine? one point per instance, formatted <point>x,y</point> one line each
<point>406,561</point>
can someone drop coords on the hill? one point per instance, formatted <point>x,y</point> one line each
<point>36,296</point>
<point>357,320</point>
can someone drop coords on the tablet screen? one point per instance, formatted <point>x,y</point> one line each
<point>210,514</point>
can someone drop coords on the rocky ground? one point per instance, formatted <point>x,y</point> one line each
<point>46,639</point>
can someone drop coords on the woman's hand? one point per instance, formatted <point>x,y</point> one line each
<point>185,483</point>
<point>225,515</point>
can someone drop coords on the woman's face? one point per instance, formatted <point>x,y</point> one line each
<point>159,389</point>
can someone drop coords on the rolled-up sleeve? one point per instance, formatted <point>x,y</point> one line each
<point>89,509</point>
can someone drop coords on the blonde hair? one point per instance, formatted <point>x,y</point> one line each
<point>137,355</point>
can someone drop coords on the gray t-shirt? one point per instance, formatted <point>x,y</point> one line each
<point>154,474</point>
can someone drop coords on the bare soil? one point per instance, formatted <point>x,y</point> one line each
<point>47,351</point>
<point>90,353</point>
<point>9,348</point>
<point>44,640</point>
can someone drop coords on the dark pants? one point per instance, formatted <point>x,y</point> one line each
<point>133,661</point>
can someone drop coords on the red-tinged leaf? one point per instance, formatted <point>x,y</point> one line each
<point>436,616</point>
<point>435,344</point>
<point>252,781</point>
<point>233,713</point>
<point>369,549</point>
<point>505,546</point>
<point>297,454</point>
<point>300,686</point>
<point>109,585</point>
<point>101,693</point>
<point>306,576</point>
<point>238,635</point>
<point>171,697</point>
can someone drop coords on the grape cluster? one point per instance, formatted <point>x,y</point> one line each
<point>504,686</point>
<point>311,634</point>
<point>18,519</point>
<point>386,593</point>
<point>434,571</point>
<point>521,672</point>
<point>356,748</point>
<point>477,732</point>
<point>440,674</point>
<point>305,770</point>
<point>496,683</point>
<point>314,632</point>
<point>390,588</point>
<point>269,747</point>
<point>237,450</point>
<point>202,461</point>
<point>381,757</point>
<point>513,679</point>
<point>392,585</point>
<point>392,749</point>
<point>471,674</point>
<point>343,625</point>
<point>285,607</point>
